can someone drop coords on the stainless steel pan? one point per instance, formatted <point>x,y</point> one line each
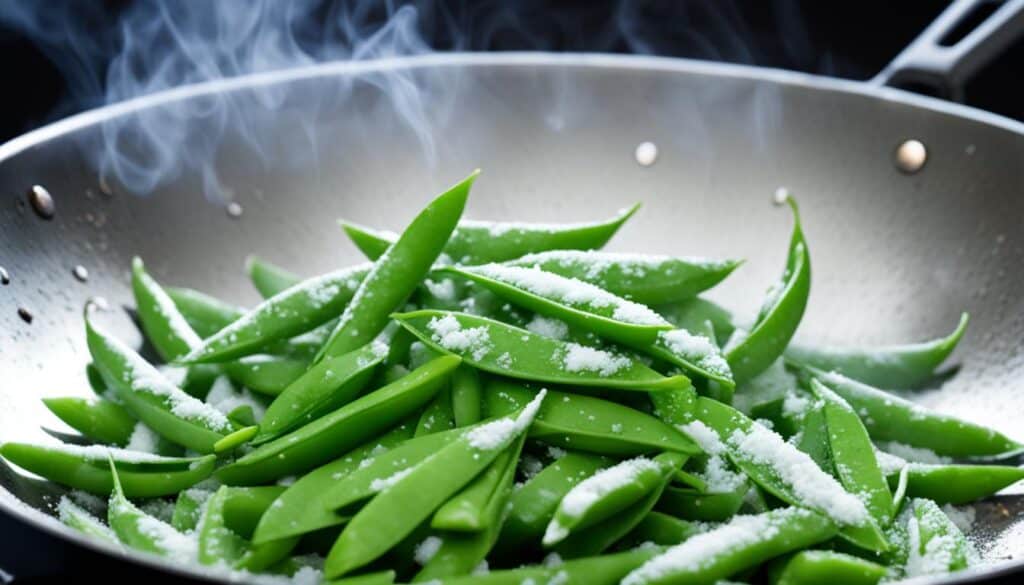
<point>897,255</point>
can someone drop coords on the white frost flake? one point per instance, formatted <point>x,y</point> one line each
<point>449,334</point>
<point>696,349</point>
<point>580,358</point>
<point>499,433</point>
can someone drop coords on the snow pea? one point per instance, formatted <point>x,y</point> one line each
<point>853,455</point>
<point>533,504</point>
<point>204,313</point>
<point>438,415</point>
<point>586,423</point>
<point>691,315</point>
<point>308,504</point>
<point>696,353</point>
<point>412,497</point>
<point>608,492</point>
<point>577,303</point>
<point>646,279</point>
<point>781,313</point>
<point>166,409</point>
<point>305,306</point>
<point>498,348</point>
<point>138,530</point>
<point>217,543</point>
<point>814,438</point>
<point>73,515</point>
<point>269,279</point>
<point>478,242</point>
<point>675,406</point>
<point>85,468</point>
<point>101,420</point>
<point>787,473</point>
<point>744,542</point>
<point>164,326</point>
<point>891,418</point>
<point>479,505</point>
<point>661,529</point>
<point>897,367</point>
<point>936,545</point>
<point>899,492</point>
<point>244,506</point>
<point>600,570</point>
<point>695,505</point>
<point>397,272</point>
<point>266,374</point>
<point>341,430</point>
<point>326,386</point>
<point>956,484</point>
<point>811,567</point>
<point>467,390</point>
<point>188,508</point>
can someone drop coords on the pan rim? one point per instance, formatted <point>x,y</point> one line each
<point>22,512</point>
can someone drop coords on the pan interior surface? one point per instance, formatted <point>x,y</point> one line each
<point>896,256</point>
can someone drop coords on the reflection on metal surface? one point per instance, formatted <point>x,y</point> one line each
<point>5,278</point>
<point>42,202</point>
<point>646,153</point>
<point>81,273</point>
<point>911,156</point>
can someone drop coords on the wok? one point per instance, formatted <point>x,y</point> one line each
<point>897,255</point>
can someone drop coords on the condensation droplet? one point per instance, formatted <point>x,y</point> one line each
<point>5,277</point>
<point>234,209</point>
<point>911,156</point>
<point>42,202</point>
<point>781,196</point>
<point>25,314</point>
<point>80,273</point>
<point>970,149</point>
<point>646,153</point>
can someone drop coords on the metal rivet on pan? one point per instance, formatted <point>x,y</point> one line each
<point>42,202</point>
<point>80,273</point>
<point>5,277</point>
<point>911,156</point>
<point>646,153</point>
<point>234,209</point>
<point>25,314</point>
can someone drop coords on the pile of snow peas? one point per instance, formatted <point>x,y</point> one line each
<point>505,403</point>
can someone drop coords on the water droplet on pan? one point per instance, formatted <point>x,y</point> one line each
<point>25,315</point>
<point>42,202</point>
<point>234,209</point>
<point>646,153</point>
<point>5,277</point>
<point>80,272</point>
<point>911,156</point>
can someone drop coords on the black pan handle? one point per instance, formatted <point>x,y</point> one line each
<point>943,67</point>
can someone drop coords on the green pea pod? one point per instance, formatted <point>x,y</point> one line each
<point>891,418</point>
<point>577,303</point>
<point>166,409</point>
<point>787,473</point>
<point>244,506</point>
<point>340,431</point>
<point>438,415</point>
<point>691,315</point>
<point>936,545</point>
<point>73,515</point>
<point>956,484</point>
<point>517,353</point>
<point>646,279</point>
<point>412,497</point>
<point>812,567</point>
<point>661,529</point>
<point>814,439</point>
<point>744,542</point>
<point>853,455</point>
<point>269,279</point>
<point>397,272</point>
<point>695,353</point>
<point>85,468</point>
<point>98,419</point>
<point>676,406</point>
<point>899,492</point>
<point>204,313</point>
<point>217,543</point>
<point>898,367</point>
<point>781,313</point>
<point>609,492</point>
<point>307,505</point>
<point>165,328</point>
<point>188,508</point>
<point>295,310</point>
<point>608,428</point>
<point>479,505</point>
<point>467,396</point>
<point>691,504</point>
<point>325,387</point>
<point>600,570</point>
<point>478,242</point>
<point>136,529</point>
<point>266,374</point>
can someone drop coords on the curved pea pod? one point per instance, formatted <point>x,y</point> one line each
<point>411,498</point>
<point>340,431</point>
<point>269,279</point>
<point>98,419</point>
<point>692,314</point>
<point>708,507</point>
<point>853,455</point>
<point>188,508</point>
<point>744,542</point>
<point>695,353</point>
<point>467,396</point>
<point>295,310</point>
<point>166,409</point>
<point>896,367</point>
<point>675,406</point>
<point>266,374</point>
<point>577,303</point>
<point>479,505</point>
<point>204,313</point>
<point>661,529</point>
<point>217,543</point>
<point>438,415</point>
<point>936,546</point>
<point>308,504</point>
<point>244,506</point>
<point>811,567</point>
<point>787,473</point>
<point>73,515</point>
<point>891,418</point>
<point>956,484</point>
<point>326,386</point>
<point>396,273</point>
<point>781,313</point>
<point>591,424</point>
<point>608,492</point>
<point>136,529</point>
<point>646,279</point>
<point>600,570</point>
<point>478,242</point>
<point>498,348</point>
<point>85,468</point>
<point>165,327</point>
